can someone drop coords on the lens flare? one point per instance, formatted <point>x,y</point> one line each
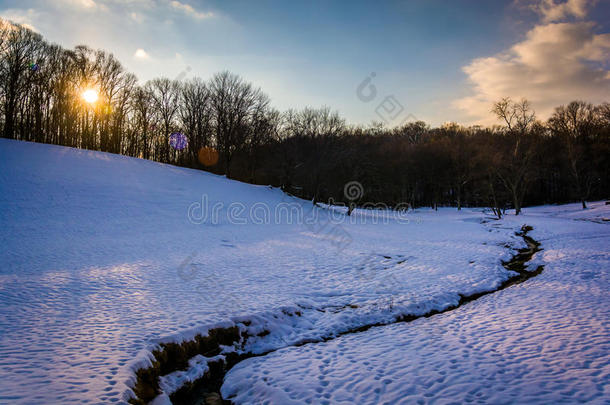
<point>208,156</point>
<point>178,140</point>
<point>90,96</point>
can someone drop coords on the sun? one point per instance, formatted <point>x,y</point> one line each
<point>90,96</point>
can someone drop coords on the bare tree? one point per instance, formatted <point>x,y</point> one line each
<point>414,132</point>
<point>264,126</point>
<point>196,115</point>
<point>518,116</point>
<point>234,102</point>
<point>515,170</point>
<point>115,86</point>
<point>165,96</point>
<point>577,124</point>
<point>19,45</point>
<point>461,156</point>
<point>120,111</point>
<point>143,115</point>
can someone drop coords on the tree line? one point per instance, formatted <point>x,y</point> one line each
<point>312,153</point>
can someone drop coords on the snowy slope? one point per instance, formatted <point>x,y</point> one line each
<point>104,256</point>
<point>544,341</point>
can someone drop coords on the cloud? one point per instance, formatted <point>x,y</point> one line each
<point>136,17</point>
<point>190,11</point>
<point>141,54</point>
<point>556,63</point>
<point>23,17</point>
<point>552,11</point>
<point>87,4</point>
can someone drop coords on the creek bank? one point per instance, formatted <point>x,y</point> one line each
<point>173,357</point>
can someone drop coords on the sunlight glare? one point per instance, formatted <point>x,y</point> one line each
<point>90,96</point>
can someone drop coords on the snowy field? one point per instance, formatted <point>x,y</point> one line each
<point>104,257</point>
<point>544,341</point>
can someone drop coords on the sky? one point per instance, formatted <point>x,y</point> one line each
<point>385,61</point>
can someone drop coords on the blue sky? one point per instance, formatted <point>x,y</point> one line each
<point>441,60</point>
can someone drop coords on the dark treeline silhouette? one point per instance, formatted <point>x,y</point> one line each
<point>311,153</point>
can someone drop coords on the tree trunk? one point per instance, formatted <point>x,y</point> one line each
<point>495,208</point>
<point>516,202</point>
<point>228,158</point>
<point>9,122</point>
<point>350,208</point>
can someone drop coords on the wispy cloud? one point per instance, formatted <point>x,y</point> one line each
<point>190,11</point>
<point>556,62</point>
<point>86,4</point>
<point>552,11</point>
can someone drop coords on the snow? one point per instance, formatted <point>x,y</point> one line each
<point>543,341</point>
<point>104,257</point>
<point>198,366</point>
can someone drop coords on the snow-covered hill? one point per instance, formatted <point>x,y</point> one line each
<point>105,256</point>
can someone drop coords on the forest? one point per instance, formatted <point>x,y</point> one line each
<point>226,125</point>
